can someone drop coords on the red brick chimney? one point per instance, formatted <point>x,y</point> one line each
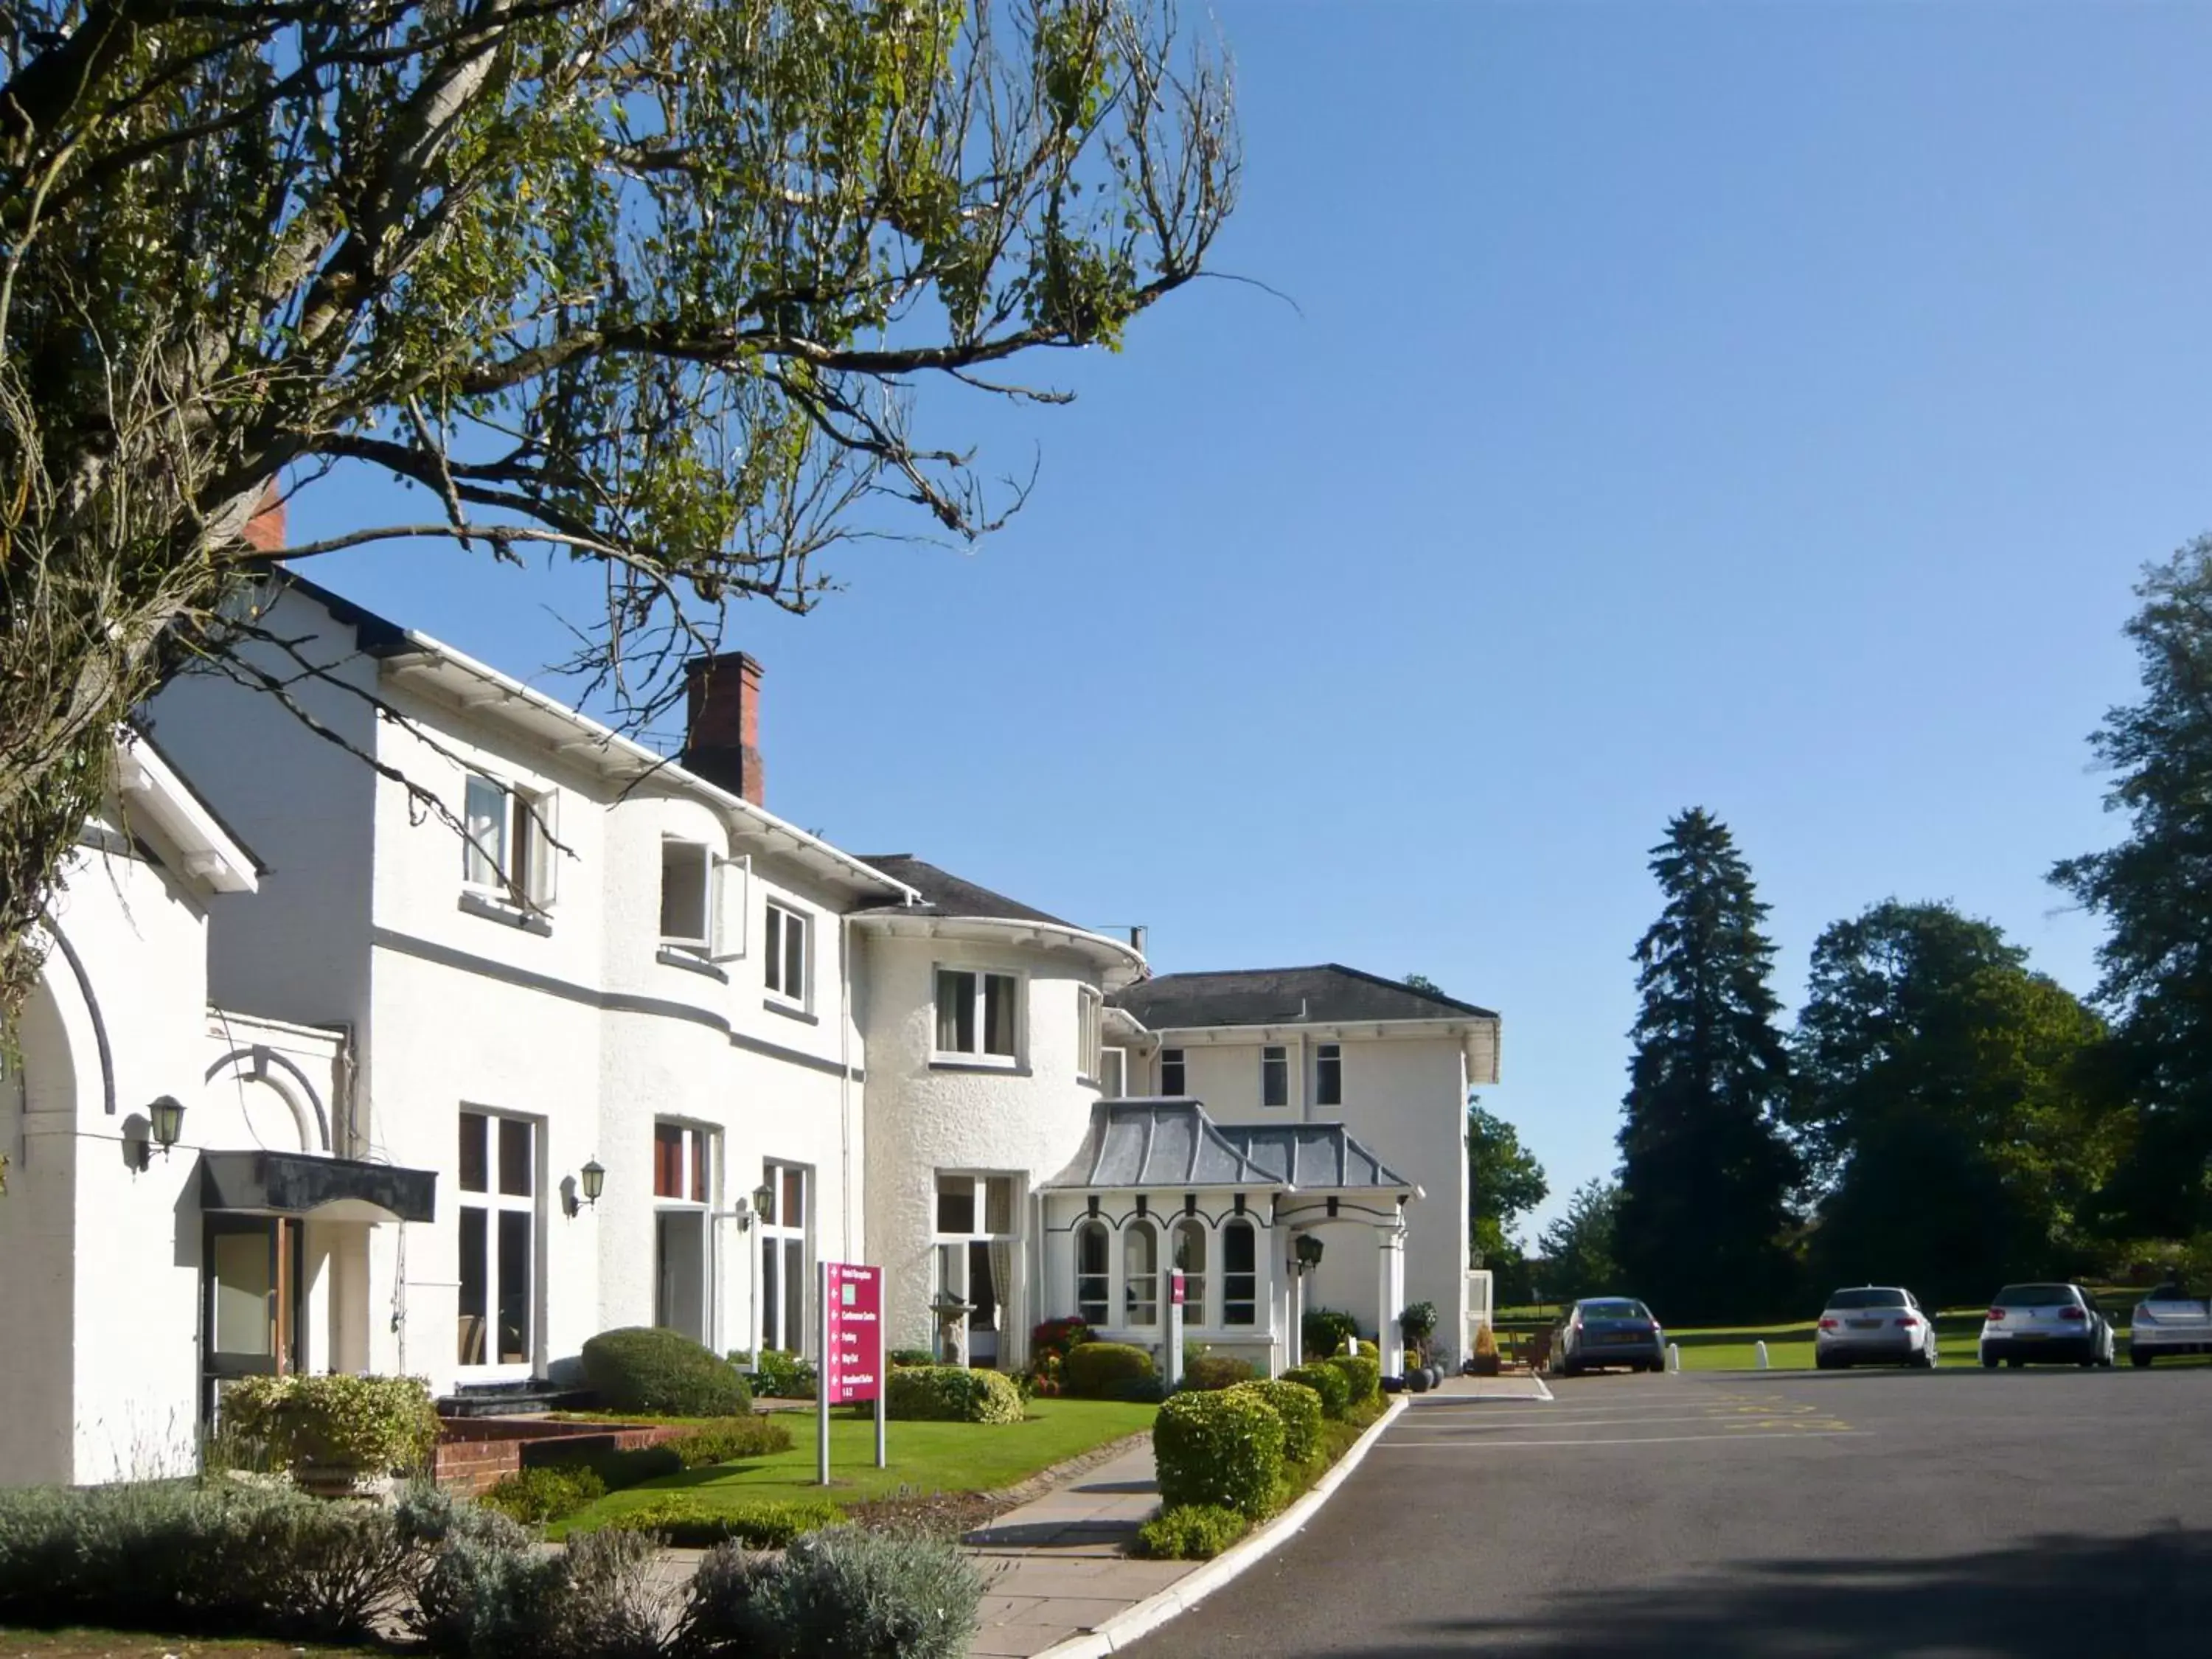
<point>264,531</point>
<point>721,734</point>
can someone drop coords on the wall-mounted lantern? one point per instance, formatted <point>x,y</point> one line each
<point>168,1114</point>
<point>594,1181</point>
<point>1309,1249</point>
<point>764,1201</point>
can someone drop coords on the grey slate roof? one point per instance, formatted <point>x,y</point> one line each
<point>1168,1144</point>
<point>944,894</point>
<point>1329,994</point>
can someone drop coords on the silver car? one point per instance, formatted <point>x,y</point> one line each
<point>1874,1325</point>
<point>2054,1323</point>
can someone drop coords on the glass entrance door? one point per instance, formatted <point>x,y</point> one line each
<point>250,1307</point>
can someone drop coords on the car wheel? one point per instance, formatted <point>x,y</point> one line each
<point>1924,1360</point>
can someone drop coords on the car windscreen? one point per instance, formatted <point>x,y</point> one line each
<point>1867,1299</point>
<point>2037,1296</point>
<point>1616,1310</point>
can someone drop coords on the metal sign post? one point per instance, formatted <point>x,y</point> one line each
<point>1175,1326</point>
<point>852,1350</point>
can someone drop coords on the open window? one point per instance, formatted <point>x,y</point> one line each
<point>787,953</point>
<point>687,895</point>
<point>508,848</point>
<point>1089,1006</point>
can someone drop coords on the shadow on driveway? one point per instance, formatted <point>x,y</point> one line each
<point>2055,1598</point>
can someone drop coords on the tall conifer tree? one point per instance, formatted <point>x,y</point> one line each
<point>1705,1173</point>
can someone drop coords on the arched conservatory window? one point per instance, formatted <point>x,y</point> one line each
<point>1092,1301</point>
<point>1190,1257</point>
<point>1240,1280</point>
<point>1140,1274</point>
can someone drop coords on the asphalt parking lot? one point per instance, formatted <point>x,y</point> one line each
<point>1755,1515</point>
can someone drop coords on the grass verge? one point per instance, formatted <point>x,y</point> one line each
<point>925,1458</point>
<point>134,1644</point>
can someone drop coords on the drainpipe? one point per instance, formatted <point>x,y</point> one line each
<point>845,1072</point>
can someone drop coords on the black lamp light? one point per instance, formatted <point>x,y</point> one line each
<point>168,1114</point>
<point>1309,1249</point>
<point>764,1201</point>
<point>594,1177</point>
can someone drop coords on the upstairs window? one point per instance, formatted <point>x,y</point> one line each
<point>1171,1073</point>
<point>687,888</point>
<point>508,845</point>
<point>1274,1075</point>
<point>977,1013</point>
<point>787,954</point>
<point>1112,1073</point>
<point>1088,1003</point>
<point>1328,1075</point>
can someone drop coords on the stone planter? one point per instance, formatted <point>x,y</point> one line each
<point>1416,1380</point>
<point>1483,1365</point>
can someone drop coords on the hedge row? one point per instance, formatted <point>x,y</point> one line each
<point>951,1394</point>
<point>225,1559</point>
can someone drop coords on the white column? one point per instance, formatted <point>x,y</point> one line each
<point>1390,1299</point>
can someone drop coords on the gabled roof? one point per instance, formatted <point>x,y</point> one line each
<point>1329,994</point>
<point>944,894</point>
<point>1169,1144</point>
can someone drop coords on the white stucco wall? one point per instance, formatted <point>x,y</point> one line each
<point>925,1116</point>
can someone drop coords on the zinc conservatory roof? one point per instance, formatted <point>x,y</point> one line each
<point>1166,1142</point>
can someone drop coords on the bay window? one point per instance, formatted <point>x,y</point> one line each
<point>978,1015</point>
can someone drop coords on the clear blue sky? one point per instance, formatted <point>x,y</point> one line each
<point>1764,407</point>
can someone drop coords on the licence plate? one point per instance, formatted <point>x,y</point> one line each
<point>1864,1324</point>
<point>2027,1336</point>
<point>1621,1336</point>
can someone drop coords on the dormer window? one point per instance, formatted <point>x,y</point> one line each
<point>687,888</point>
<point>508,846</point>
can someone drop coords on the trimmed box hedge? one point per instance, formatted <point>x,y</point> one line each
<point>640,1369</point>
<point>377,1425</point>
<point>1333,1387</point>
<point>1108,1370</point>
<point>1363,1376</point>
<point>1223,1448</point>
<point>732,1441</point>
<point>1298,1406</point>
<point>686,1522</point>
<point>1196,1532</point>
<point>951,1394</point>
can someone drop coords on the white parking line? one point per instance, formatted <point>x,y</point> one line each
<point>1542,1392</point>
<point>1715,1415</point>
<point>1740,1439</point>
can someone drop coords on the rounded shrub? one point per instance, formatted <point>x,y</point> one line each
<point>951,1393</point>
<point>1225,1448</point>
<point>1216,1371</point>
<point>1298,1406</point>
<point>857,1594</point>
<point>640,1369</point>
<point>1363,1376</point>
<point>1107,1371</point>
<point>552,1493</point>
<point>1197,1532</point>
<point>1326,1380</point>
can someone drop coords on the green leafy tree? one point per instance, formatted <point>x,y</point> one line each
<point>651,285</point>
<point>1504,1181</point>
<point>2153,890</point>
<point>1579,1248</point>
<point>1706,1174</point>
<point>1944,1105</point>
<point>1424,984</point>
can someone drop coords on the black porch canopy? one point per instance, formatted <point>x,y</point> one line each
<point>326,1188</point>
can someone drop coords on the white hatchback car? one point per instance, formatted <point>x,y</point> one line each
<point>1874,1325</point>
<point>2055,1322</point>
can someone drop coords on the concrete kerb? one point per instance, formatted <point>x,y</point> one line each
<point>1149,1614</point>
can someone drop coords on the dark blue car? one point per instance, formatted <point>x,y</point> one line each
<point>1600,1331</point>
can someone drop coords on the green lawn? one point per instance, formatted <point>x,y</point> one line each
<point>925,1457</point>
